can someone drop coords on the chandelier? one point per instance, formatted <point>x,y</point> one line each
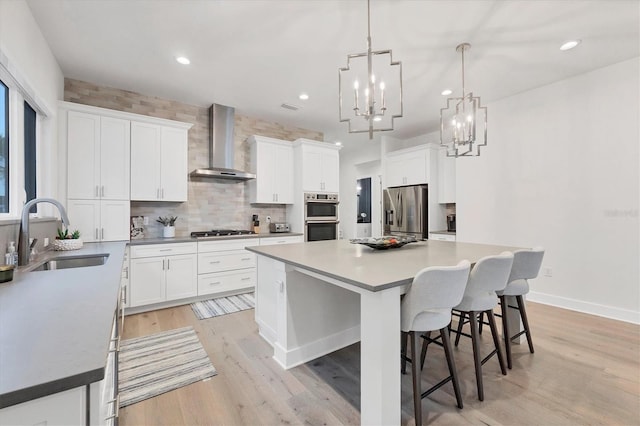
<point>376,81</point>
<point>463,123</point>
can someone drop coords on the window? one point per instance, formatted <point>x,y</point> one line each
<point>30,154</point>
<point>4,148</point>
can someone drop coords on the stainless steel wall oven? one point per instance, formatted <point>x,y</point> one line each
<point>321,216</point>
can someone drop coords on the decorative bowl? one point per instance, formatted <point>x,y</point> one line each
<point>384,243</point>
<point>69,244</point>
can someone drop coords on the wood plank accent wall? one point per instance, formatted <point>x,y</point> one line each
<point>212,203</point>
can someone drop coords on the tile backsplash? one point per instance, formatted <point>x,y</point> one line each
<point>212,203</point>
<point>38,228</point>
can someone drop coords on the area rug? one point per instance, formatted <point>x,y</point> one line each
<point>223,305</point>
<point>155,364</point>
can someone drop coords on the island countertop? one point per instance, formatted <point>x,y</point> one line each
<point>371,269</point>
<point>55,325</point>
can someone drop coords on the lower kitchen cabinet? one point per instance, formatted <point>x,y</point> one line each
<point>62,408</point>
<point>162,272</point>
<point>225,266</point>
<point>442,237</point>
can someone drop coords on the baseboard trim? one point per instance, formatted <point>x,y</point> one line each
<point>293,357</point>
<point>605,311</point>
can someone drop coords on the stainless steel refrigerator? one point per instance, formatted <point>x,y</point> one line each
<point>405,211</point>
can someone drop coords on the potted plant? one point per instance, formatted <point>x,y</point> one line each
<point>67,241</point>
<point>169,230</point>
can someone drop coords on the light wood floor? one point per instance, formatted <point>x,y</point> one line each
<point>586,370</point>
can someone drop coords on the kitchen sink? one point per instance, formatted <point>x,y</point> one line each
<point>67,262</point>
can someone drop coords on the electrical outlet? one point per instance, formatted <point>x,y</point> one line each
<point>547,271</point>
<point>145,220</point>
<point>46,242</point>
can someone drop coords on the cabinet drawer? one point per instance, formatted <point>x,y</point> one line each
<point>224,245</point>
<point>152,250</point>
<point>442,237</point>
<point>281,240</point>
<point>217,262</point>
<point>226,281</point>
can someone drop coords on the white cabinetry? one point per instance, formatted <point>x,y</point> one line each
<point>317,164</point>
<point>407,167</point>
<point>98,157</point>
<point>162,272</point>
<point>225,266</point>
<point>446,178</point>
<point>442,237</point>
<point>62,408</point>
<point>159,166</point>
<point>272,162</point>
<point>284,239</point>
<point>100,220</point>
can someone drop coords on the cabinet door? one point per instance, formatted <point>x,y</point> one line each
<point>265,166</point>
<point>114,220</point>
<point>62,408</point>
<point>173,166</point>
<point>84,216</point>
<point>330,171</point>
<point>83,155</point>
<point>181,276</point>
<point>311,170</point>
<point>394,173</point>
<point>145,162</point>
<point>115,137</point>
<point>415,167</point>
<point>147,282</point>
<point>282,167</point>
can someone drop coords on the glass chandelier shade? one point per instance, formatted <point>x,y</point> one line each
<point>370,89</point>
<point>463,123</point>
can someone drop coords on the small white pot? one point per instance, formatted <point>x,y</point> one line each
<point>169,231</point>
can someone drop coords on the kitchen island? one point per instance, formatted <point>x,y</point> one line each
<point>315,298</point>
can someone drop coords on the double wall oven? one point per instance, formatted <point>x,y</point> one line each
<point>320,216</point>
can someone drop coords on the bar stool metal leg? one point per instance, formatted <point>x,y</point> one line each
<point>403,352</point>
<point>525,321</point>
<point>448,350</point>
<point>473,321</point>
<point>415,372</point>
<point>496,341</point>
<point>460,324</point>
<point>505,331</point>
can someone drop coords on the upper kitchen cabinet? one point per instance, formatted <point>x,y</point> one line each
<point>446,178</point>
<point>408,167</point>
<point>98,157</point>
<point>272,162</point>
<point>317,164</point>
<point>159,169</point>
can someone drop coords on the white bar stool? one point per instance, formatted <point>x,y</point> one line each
<point>427,307</point>
<point>489,275</point>
<point>526,265</point>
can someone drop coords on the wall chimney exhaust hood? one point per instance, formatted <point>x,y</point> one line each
<point>221,147</point>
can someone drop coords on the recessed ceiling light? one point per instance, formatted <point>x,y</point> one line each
<point>303,96</point>
<point>183,60</point>
<point>570,44</point>
<point>338,143</point>
<point>377,118</point>
<point>446,92</point>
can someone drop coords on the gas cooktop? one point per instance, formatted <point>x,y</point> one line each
<point>221,233</point>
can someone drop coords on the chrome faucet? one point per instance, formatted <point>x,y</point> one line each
<point>23,240</point>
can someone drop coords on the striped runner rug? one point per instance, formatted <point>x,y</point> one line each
<point>223,305</point>
<point>155,364</point>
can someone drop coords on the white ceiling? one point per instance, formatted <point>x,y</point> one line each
<point>255,55</point>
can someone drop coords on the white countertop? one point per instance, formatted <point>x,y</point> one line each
<point>55,325</point>
<point>371,269</point>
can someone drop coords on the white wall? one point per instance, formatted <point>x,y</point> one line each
<point>26,54</point>
<point>561,171</point>
<point>357,163</point>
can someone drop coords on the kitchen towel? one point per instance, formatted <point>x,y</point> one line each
<point>223,305</point>
<point>155,364</point>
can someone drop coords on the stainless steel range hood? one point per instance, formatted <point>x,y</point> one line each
<point>221,147</point>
